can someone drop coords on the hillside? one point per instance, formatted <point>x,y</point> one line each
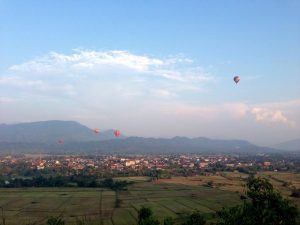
<point>50,132</point>
<point>292,145</point>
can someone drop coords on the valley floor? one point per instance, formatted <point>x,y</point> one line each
<point>175,197</point>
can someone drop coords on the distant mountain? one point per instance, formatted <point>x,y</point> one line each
<point>51,132</point>
<point>44,136</point>
<point>292,145</point>
<point>174,145</point>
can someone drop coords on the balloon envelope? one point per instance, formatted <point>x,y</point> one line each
<point>236,79</point>
<point>61,141</point>
<point>117,133</point>
<point>97,130</point>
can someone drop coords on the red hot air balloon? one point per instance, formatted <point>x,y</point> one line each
<point>236,79</point>
<point>61,141</point>
<point>97,130</point>
<point>117,133</point>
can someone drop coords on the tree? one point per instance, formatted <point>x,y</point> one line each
<point>144,213</point>
<point>195,219</point>
<point>145,217</point>
<point>266,207</point>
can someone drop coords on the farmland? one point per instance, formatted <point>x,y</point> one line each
<point>175,197</point>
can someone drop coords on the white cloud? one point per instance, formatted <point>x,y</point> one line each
<point>88,60</point>
<point>95,61</point>
<point>88,76</point>
<point>264,113</point>
<point>271,116</point>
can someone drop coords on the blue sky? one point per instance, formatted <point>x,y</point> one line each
<point>154,68</point>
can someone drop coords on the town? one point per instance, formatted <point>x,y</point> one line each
<point>28,165</point>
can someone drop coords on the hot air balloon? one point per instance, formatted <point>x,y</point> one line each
<point>61,141</point>
<point>117,133</point>
<point>236,79</point>
<point>97,130</point>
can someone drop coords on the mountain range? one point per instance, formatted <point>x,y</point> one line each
<point>44,136</point>
<point>292,145</point>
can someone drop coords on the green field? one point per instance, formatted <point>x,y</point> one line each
<point>172,197</point>
<point>35,205</point>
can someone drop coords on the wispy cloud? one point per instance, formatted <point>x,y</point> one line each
<point>94,61</point>
<point>88,73</point>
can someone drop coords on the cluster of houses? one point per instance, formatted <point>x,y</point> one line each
<point>135,162</point>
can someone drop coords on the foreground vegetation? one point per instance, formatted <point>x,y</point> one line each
<point>120,207</point>
<point>265,206</point>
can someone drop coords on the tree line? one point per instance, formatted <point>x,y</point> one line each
<point>65,181</point>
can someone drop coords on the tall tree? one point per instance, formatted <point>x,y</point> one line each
<point>265,206</point>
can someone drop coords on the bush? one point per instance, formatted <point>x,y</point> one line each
<point>210,184</point>
<point>145,217</point>
<point>195,219</point>
<point>169,221</point>
<point>55,221</point>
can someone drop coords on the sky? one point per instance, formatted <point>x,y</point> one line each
<point>154,68</point>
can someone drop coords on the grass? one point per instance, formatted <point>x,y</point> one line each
<point>176,197</point>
